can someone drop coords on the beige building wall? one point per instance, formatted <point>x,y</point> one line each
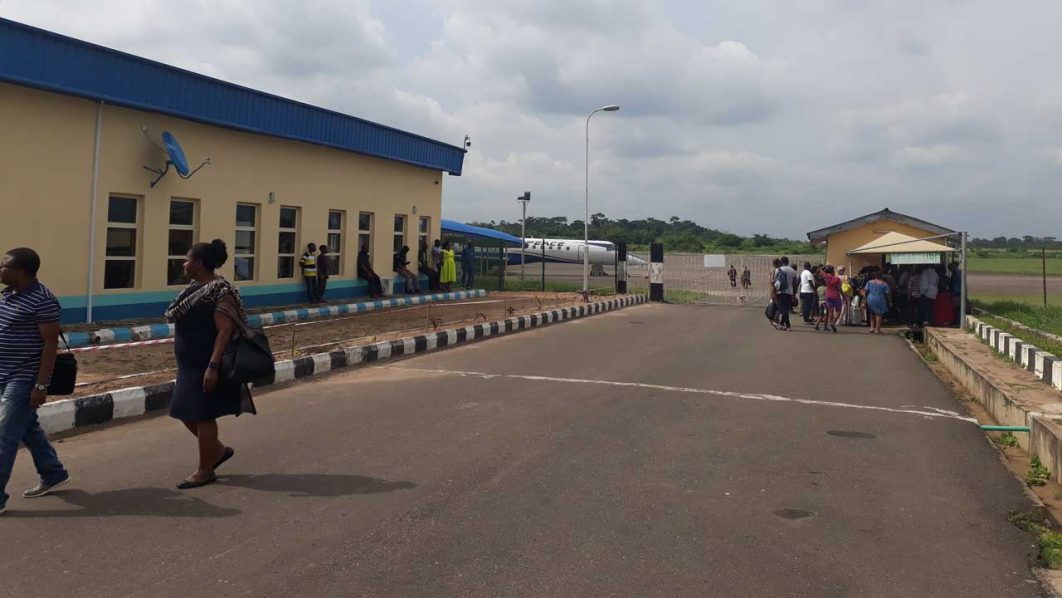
<point>838,245</point>
<point>46,163</point>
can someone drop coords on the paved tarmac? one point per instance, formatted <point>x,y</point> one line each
<point>654,451</point>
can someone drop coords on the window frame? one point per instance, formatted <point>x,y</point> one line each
<point>367,232</point>
<point>424,235</point>
<point>137,240</point>
<point>295,245</point>
<point>170,227</point>
<point>335,254</point>
<point>254,230</point>
<point>399,236</point>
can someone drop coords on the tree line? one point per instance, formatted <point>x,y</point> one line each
<point>1026,242</point>
<point>675,233</point>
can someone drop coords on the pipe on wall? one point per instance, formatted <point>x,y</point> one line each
<point>89,291</point>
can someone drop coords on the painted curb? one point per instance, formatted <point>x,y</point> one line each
<point>160,331</point>
<point>1046,366</point>
<point>70,414</point>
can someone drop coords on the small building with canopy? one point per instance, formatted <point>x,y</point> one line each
<point>883,237</point>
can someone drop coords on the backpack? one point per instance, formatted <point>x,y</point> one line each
<point>846,289</point>
<point>772,311</point>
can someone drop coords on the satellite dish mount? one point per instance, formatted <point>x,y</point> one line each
<point>173,150</point>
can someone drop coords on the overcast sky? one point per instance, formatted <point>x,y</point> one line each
<point>776,116</point>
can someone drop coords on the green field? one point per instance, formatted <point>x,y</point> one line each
<point>1048,319</point>
<point>1013,265</point>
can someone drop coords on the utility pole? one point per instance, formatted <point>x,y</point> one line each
<point>523,199</point>
<point>1043,262</point>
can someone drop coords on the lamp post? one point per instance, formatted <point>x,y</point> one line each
<point>523,199</point>
<point>586,222</point>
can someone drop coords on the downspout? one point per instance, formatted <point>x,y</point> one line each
<point>92,216</point>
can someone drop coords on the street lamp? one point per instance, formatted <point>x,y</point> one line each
<point>586,222</point>
<point>523,199</point>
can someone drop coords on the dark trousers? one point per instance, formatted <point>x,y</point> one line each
<point>311,288</point>
<point>808,305</point>
<point>322,285</point>
<point>433,278</point>
<point>924,310</point>
<point>468,276</point>
<point>785,305</point>
<point>375,286</point>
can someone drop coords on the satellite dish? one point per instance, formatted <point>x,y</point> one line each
<point>173,150</point>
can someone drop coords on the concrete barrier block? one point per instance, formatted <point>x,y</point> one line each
<point>1056,375</point>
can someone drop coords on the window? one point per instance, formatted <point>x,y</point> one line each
<point>181,239</point>
<point>336,221</point>
<point>365,230</point>
<point>246,240</point>
<point>119,269</point>
<point>422,233</point>
<point>400,232</point>
<point>287,243</point>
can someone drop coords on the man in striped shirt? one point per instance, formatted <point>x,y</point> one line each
<point>29,339</point>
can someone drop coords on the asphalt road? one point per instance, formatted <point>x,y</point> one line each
<point>536,474</point>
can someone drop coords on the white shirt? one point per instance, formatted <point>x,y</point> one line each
<point>807,282</point>
<point>928,282</point>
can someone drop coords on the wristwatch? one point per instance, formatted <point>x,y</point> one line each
<point>41,387</point>
<point>213,365</point>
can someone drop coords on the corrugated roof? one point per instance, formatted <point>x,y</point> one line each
<point>460,228</point>
<point>41,59</point>
<point>817,236</point>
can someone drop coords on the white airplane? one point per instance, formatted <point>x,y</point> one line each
<point>569,251</point>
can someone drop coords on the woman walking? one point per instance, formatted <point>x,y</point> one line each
<point>205,315</point>
<point>877,293</point>
<point>448,269</point>
<point>834,298</point>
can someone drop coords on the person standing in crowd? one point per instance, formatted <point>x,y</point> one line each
<point>468,265</point>
<point>29,341</point>
<point>436,256</point>
<point>847,292</point>
<point>447,268</point>
<point>324,265</point>
<point>400,265</point>
<point>308,266</point>
<point>877,294</point>
<point>732,275</point>
<point>807,293</point>
<point>833,296</point>
<point>366,272</point>
<point>206,315</point>
<point>785,284</point>
<point>746,278</point>
<point>425,267</point>
<point>928,282</point>
<point>914,295</point>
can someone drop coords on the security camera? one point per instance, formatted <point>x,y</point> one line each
<point>468,141</point>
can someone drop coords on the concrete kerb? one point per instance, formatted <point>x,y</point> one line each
<point>1006,405</point>
<point>1046,366</point>
<point>70,414</point>
<point>161,331</point>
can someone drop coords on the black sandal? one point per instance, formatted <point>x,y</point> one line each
<point>229,452</point>
<point>189,484</point>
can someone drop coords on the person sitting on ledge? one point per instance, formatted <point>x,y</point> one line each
<point>366,272</point>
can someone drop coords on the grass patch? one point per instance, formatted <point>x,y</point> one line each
<point>682,296</point>
<point>1014,265</point>
<point>1048,320</point>
<point>553,286</point>
<point>1038,475</point>
<point>1006,439</point>
<point>1049,541</point>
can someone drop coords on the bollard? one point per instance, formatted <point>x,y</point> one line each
<point>656,272</point>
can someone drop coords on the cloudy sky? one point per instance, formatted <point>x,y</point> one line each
<point>776,116</point>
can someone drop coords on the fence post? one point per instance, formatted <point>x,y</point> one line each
<point>543,266</point>
<point>621,268</point>
<point>656,272</point>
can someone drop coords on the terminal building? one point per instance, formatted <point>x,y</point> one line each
<point>82,131</point>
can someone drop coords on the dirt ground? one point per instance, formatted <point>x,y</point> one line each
<point>1012,284</point>
<point>111,369</point>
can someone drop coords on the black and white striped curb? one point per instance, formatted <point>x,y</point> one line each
<point>69,414</point>
<point>1046,366</point>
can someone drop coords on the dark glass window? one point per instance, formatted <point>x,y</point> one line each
<point>122,209</point>
<point>244,241</point>
<point>335,221</point>
<point>119,274</point>
<point>285,267</point>
<point>288,217</point>
<point>175,272</point>
<point>182,213</point>
<point>286,243</point>
<point>244,268</point>
<point>180,241</point>
<point>121,242</point>
<point>245,215</point>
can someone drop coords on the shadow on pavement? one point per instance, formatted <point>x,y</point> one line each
<point>314,484</point>
<point>131,502</point>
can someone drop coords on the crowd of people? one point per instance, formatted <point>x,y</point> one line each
<point>438,263</point>
<point>828,296</point>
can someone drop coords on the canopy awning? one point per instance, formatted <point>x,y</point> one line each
<point>900,243</point>
<point>459,228</point>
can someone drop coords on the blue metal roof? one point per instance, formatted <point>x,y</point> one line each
<point>460,228</point>
<point>36,58</point>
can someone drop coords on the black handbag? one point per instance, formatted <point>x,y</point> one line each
<point>64,376</point>
<point>247,358</point>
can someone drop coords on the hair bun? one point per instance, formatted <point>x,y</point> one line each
<point>221,252</point>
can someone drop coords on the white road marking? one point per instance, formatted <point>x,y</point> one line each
<point>938,413</point>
